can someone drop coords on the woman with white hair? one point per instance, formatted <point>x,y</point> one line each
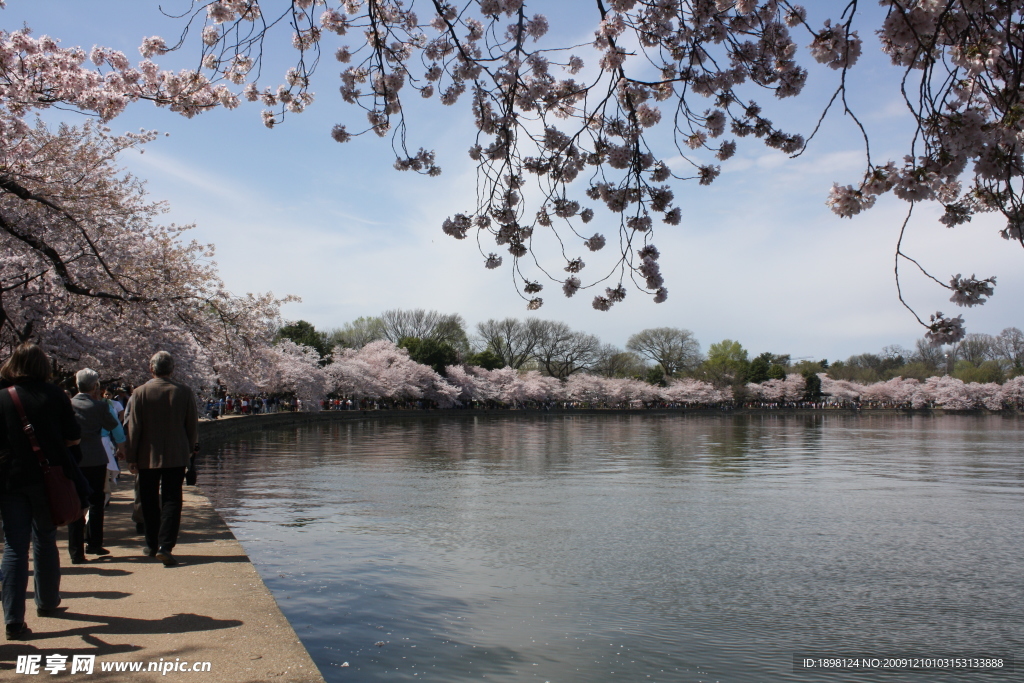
<point>93,416</point>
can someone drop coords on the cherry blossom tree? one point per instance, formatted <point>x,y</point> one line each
<point>472,387</point>
<point>842,390</point>
<point>790,389</point>
<point>635,393</point>
<point>954,394</point>
<point>691,391</point>
<point>612,392</point>
<point>987,395</point>
<point>1013,392</point>
<point>86,271</point>
<point>564,128</point>
<point>588,389</point>
<point>945,392</point>
<point>533,386</point>
<point>497,385</point>
<point>291,368</point>
<point>896,391</point>
<point>699,61</point>
<point>381,370</point>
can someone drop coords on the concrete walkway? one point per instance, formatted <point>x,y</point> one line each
<point>125,607</point>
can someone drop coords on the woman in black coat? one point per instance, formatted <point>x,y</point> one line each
<point>24,506</point>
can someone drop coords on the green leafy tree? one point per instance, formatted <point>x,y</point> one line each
<point>812,386</point>
<point>726,364</point>
<point>656,375</point>
<point>486,359</point>
<point>436,354</point>
<point>777,372</point>
<point>304,333</point>
<point>918,370</point>
<point>986,371</point>
<point>759,367</point>
<point>815,366</point>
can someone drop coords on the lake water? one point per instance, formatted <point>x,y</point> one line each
<point>586,549</point>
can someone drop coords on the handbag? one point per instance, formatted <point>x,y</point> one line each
<point>65,505</point>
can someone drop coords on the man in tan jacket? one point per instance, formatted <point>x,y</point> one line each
<point>163,424</point>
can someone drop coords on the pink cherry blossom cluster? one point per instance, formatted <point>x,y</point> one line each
<point>534,118</point>
<point>381,370</point>
<point>963,69</point>
<point>943,330</point>
<point>87,272</point>
<point>942,392</point>
<point>790,389</point>
<point>970,291</point>
<point>36,73</point>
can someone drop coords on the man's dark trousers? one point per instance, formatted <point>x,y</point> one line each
<point>78,533</point>
<point>160,495</point>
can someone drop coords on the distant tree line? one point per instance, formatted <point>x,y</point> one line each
<point>654,355</point>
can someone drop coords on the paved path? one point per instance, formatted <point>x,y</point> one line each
<point>125,607</point>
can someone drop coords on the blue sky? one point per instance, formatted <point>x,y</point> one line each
<point>758,256</point>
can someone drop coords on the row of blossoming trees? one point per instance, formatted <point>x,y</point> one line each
<point>380,371</point>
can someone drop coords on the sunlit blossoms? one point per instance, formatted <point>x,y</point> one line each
<point>579,140</point>
<point>380,370</point>
<point>36,73</point>
<point>289,368</point>
<point>87,272</point>
<point>660,93</point>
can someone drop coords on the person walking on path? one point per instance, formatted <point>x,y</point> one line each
<point>113,443</point>
<point>94,416</point>
<point>163,424</point>
<point>24,505</point>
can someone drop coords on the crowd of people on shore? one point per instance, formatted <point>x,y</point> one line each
<point>229,404</point>
<point>58,446</point>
